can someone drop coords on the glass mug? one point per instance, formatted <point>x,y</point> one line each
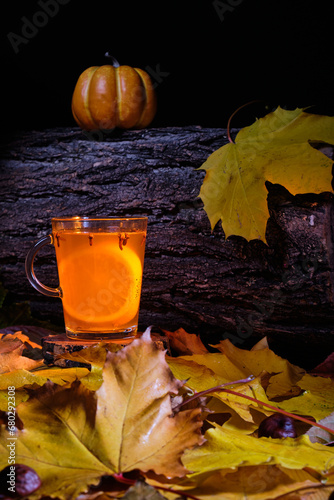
<point>100,267</point>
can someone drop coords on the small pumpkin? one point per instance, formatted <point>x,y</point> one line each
<point>110,96</point>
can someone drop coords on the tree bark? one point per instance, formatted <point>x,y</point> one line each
<point>193,277</point>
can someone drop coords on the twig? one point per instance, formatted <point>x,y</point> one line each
<point>257,401</point>
<point>214,389</point>
<point>278,410</point>
<point>233,114</point>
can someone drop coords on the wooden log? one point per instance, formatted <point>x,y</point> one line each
<point>193,278</point>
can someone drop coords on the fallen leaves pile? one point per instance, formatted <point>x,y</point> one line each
<point>137,424</point>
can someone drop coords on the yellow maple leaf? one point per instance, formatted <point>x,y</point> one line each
<point>233,363</point>
<point>275,148</point>
<point>213,369</point>
<point>262,482</point>
<point>11,349</point>
<point>285,375</point>
<point>133,428</point>
<point>224,449</point>
<point>240,405</point>
<point>317,398</point>
<point>72,436</point>
<point>24,378</point>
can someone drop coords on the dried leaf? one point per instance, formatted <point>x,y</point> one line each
<point>21,379</point>
<point>242,407</point>
<point>11,350</point>
<point>22,337</point>
<point>316,400</point>
<point>326,368</point>
<point>72,436</point>
<point>261,344</point>
<point>133,423</point>
<point>262,482</point>
<point>203,370</point>
<point>232,419</point>
<point>224,449</point>
<point>208,370</point>
<point>275,148</point>
<point>197,376</point>
<point>200,378</point>
<point>185,343</point>
<point>55,440</point>
<point>318,435</point>
<point>20,397</point>
<point>285,376</point>
<point>95,357</point>
<point>35,334</point>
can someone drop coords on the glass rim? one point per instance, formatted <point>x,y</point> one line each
<point>84,218</point>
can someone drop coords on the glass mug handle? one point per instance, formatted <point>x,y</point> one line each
<point>29,266</point>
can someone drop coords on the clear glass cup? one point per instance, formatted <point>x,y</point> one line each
<point>100,267</point>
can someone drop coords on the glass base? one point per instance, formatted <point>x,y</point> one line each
<point>128,333</point>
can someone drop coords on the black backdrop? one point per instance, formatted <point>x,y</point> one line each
<point>206,57</point>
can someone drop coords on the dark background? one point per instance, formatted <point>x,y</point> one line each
<point>205,62</point>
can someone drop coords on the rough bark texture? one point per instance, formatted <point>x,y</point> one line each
<point>193,278</point>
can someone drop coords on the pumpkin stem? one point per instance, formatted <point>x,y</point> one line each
<point>115,63</point>
<point>233,114</point>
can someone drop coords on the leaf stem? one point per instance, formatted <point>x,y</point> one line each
<point>257,401</point>
<point>214,389</point>
<point>114,61</point>
<point>124,480</point>
<point>279,410</point>
<point>233,114</point>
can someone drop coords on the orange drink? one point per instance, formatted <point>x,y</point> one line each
<point>100,267</point>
